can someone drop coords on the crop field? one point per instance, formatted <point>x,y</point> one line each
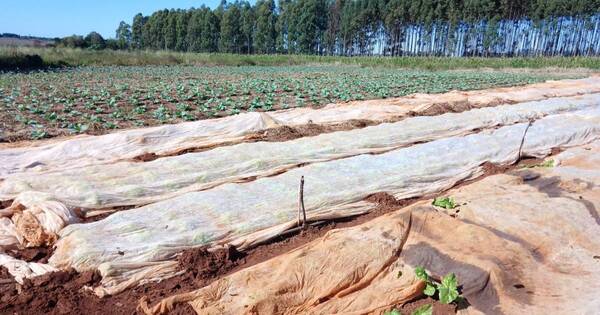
<point>409,205</point>
<point>95,100</point>
<point>405,197</point>
<point>300,157</point>
<point>198,180</point>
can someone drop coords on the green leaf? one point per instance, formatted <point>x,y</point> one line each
<point>393,312</point>
<point>546,164</point>
<point>448,291</point>
<point>426,309</point>
<point>421,273</point>
<point>429,290</point>
<point>450,281</point>
<point>447,296</point>
<point>445,202</point>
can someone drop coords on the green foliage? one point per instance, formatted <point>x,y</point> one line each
<point>231,36</point>
<point>123,35</point>
<point>208,43</point>
<point>319,27</point>
<point>95,41</point>
<point>447,290</point>
<point>136,31</point>
<point>426,309</point>
<point>78,128</point>
<point>329,27</point>
<point>545,164</point>
<point>444,202</point>
<point>74,41</point>
<point>38,134</point>
<point>265,34</point>
<point>421,273</point>
<point>99,99</point>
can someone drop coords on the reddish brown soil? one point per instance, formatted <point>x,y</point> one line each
<point>62,291</point>
<point>146,157</point>
<point>285,133</point>
<point>32,254</point>
<point>5,203</point>
<point>54,293</point>
<point>438,308</point>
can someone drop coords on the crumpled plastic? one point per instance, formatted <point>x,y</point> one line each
<point>247,214</point>
<point>519,243</point>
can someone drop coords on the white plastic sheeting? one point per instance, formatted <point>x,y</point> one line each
<point>37,219</point>
<point>21,269</point>
<point>45,204</point>
<point>246,214</point>
<point>86,150</point>
<point>134,183</point>
<point>522,243</point>
<point>164,140</point>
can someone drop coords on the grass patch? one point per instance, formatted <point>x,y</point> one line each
<point>85,57</point>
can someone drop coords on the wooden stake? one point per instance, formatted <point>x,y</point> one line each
<point>301,210</point>
<point>523,139</point>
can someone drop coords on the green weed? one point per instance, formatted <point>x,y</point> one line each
<point>545,164</point>
<point>444,202</point>
<point>426,309</point>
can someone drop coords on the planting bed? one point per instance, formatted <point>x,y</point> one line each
<point>96,100</point>
<point>201,268</point>
<point>178,220</point>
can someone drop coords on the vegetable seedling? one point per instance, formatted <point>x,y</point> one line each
<point>447,290</point>
<point>444,202</point>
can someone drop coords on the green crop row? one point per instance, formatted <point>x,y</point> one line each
<point>97,99</point>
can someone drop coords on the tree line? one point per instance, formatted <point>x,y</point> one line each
<point>327,27</point>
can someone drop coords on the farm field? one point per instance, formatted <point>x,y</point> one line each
<point>87,224</point>
<point>96,100</point>
<point>319,157</point>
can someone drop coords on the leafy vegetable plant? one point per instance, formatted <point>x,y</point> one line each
<point>444,202</point>
<point>447,290</point>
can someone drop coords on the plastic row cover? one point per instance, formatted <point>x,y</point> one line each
<point>247,214</point>
<point>163,140</point>
<point>134,183</point>
<point>518,245</point>
<point>36,216</point>
<point>129,183</point>
<point>21,269</point>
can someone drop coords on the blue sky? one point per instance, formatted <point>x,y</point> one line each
<point>59,18</point>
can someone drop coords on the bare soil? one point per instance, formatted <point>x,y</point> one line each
<point>437,307</point>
